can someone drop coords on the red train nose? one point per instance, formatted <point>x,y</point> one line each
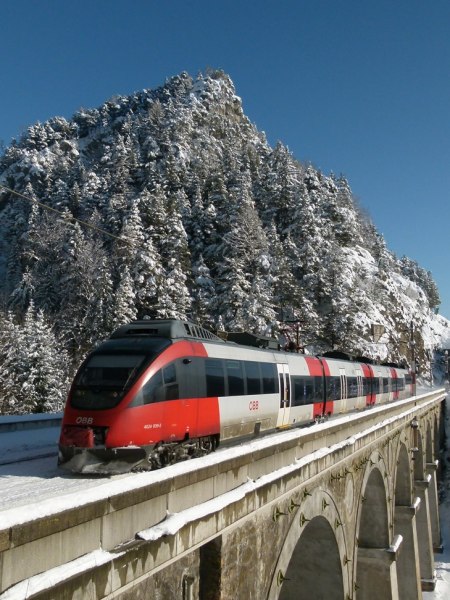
<point>81,437</point>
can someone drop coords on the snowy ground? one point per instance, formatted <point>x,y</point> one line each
<point>29,471</point>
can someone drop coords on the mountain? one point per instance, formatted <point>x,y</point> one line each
<point>170,203</point>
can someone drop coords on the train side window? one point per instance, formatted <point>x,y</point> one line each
<point>309,383</point>
<point>385,384</point>
<point>215,381</point>
<point>253,377</point>
<point>376,385</point>
<point>269,378</point>
<point>298,384</point>
<point>302,391</point>
<point>170,375</point>
<point>162,386</point>
<point>352,383</point>
<point>318,389</point>
<point>366,386</point>
<point>235,377</point>
<point>307,390</point>
<point>334,388</point>
<point>170,383</point>
<point>191,377</point>
<point>153,390</point>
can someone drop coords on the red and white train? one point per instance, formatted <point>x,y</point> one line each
<point>161,391</point>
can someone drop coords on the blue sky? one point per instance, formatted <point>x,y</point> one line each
<point>358,87</point>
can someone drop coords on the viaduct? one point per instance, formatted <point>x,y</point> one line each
<point>345,510</point>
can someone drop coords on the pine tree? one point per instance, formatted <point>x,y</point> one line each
<point>245,296</point>
<point>9,358</point>
<point>124,309</point>
<point>138,254</point>
<point>34,375</point>
<point>203,294</point>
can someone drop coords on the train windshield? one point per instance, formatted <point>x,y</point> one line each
<point>108,373</point>
<point>104,379</point>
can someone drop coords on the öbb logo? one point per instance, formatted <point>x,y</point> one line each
<point>84,420</point>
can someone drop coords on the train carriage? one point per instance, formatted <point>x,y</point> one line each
<point>344,386</point>
<point>162,391</point>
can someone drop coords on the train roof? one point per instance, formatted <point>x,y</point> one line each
<point>164,328</point>
<point>177,329</point>
<point>244,338</point>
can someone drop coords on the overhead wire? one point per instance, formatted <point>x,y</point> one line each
<point>64,216</point>
<point>80,221</point>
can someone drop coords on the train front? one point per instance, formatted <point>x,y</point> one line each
<point>99,434</point>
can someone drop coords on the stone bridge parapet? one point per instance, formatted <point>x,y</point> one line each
<point>345,510</point>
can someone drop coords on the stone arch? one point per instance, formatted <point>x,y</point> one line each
<point>417,452</point>
<point>427,515</point>
<point>374,520</point>
<point>403,483</point>
<point>314,570</point>
<point>408,570</point>
<point>375,574</point>
<point>313,562</point>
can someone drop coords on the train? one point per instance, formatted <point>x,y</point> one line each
<point>162,391</point>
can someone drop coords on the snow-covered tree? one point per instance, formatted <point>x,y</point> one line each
<point>34,368</point>
<point>186,211</point>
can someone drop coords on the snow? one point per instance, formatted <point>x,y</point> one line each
<point>442,328</point>
<point>174,522</point>
<point>394,547</point>
<point>52,577</point>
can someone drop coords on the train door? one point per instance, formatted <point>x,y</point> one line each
<point>344,391</point>
<point>285,395</point>
<point>370,384</point>
<point>360,390</point>
<point>394,384</point>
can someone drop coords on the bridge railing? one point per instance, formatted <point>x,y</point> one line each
<point>10,423</point>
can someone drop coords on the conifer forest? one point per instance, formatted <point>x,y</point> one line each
<point>171,203</point>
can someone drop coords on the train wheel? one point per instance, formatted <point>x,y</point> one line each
<point>159,457</point>
<point>205,445</point>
